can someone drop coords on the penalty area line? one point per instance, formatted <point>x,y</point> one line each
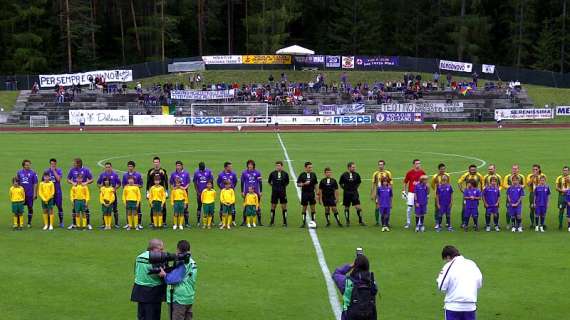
<point>331,288</point>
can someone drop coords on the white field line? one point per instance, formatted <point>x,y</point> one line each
<point>331,288</point>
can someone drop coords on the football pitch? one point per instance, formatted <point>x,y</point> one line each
<point>273,273</point>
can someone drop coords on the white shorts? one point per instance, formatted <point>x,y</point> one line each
<point>411,199</point>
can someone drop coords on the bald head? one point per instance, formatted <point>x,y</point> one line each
<point>155,245</point>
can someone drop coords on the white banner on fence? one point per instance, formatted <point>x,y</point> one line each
<point>201,95</point>
<point>488,68</point>
<point>302,120</point>
<point>524,114</point>
<point>186,66</point>
<point>423,107</point>
<point>341,109</point>
<point>563,111</point>
<point>100,117</point>
<point>348,62</point>
<point>68,79</point>
<point>153,120</point>
<point>455,66</point>
<point>222,59</point>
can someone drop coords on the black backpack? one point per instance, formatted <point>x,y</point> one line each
<point>363,300</point>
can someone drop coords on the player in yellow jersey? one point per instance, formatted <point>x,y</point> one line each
<point>492,172</point>
<point>208,198</point>
<point>107,197</point>
<point>132,199</point>
<point>17,198</point>
<point>80,197</point>
<point>157,199</point>
<point>508,181</point>
<point>251,203</point>
<point>179,202</point>
<point>228,200</point>
<point>436,180</point>
<point>562,186</point>
<point>532,180</point>
<point>46,192</point>
<point>471,174</point>
<point>377,177</point>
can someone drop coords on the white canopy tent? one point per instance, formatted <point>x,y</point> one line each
<point>295,50</point>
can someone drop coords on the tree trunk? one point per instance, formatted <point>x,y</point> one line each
<point>122,32</point>
<point>229,22</point>
<point>200,19</point>
<point>162,28</point>
<point>137,39</point>
<point>68,32</point>
<point>519,48</point>
<point>563,38</point>
<point>93,16</point>
<point>461,42</point>
<point>246,30</point>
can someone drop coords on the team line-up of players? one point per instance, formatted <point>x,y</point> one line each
<point>474,186</point>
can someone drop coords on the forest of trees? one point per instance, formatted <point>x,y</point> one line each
<point>69,35</point>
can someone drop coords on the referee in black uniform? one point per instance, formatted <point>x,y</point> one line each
<point>279,180</point>
<point>157,170</point>
<point>328,196</point>
<point>349,182</point>
<point>307,182</point>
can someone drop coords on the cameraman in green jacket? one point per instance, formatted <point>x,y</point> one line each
<point>181,295</point>
<point>149,289</point>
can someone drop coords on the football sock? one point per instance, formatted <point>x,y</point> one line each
<point>487,219</point>
<point>130,218</point>
<point>542,220</point>
<point>84,221</point>
<point>45,218</point>
<point>30,214</point>
<point>531,216</point>
<point>180,220</point>
<point>328,217</point>
<point>560,217</point>
<point>204,221</point>
<point>536,220</point>
<point>164,213</point>
<point>159,220</point>
<point>210,218</point>
<point>387,220</point>
<point>20,220</point>
<point>496,219</point>
<point>304,218</point>
<point>284,216</point>
<point>377,215</point>
<point>313,215</point>
<point>186,217</point>
<point>60,216</point>
<point>448,219</point>
<point>198,216</point>
<point>519,221</point>
<point>248,219</point>
<point>476,221</point>
<point>272,216</point>
<point>258,213</point>
<point>409,215</point>
<point>417,220</point>
<point>88,217</point>
<point>359,213</point>
<point>347,215</point>
<point>116,216</point>
<point>15,220</point>
<point>228,220</point>
<point>422,220</point>
<point>254,218</point>
<point>244,216</point>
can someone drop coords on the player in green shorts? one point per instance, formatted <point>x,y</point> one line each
<point>562,184</point>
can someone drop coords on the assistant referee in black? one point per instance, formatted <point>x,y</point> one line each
<point>157,170</point>
<point>279,180</point>
<point>349,182</point>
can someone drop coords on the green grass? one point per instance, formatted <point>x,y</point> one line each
<point>8,99</point>
<point>542,96</point>
<point>273,272</point>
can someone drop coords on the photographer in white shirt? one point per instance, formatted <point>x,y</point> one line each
<point>460,279</point>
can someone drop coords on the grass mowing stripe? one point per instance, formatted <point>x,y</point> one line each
<point>333,297</point>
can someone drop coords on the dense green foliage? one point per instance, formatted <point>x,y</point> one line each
<point>35,35</point>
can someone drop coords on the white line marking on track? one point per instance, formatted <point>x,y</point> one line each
<point>331,288</point>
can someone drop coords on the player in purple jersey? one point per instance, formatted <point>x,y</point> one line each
<point>55,175</point>
<point>471,196</point>
<point>29,181</point>
<point>202,176</point>
<point>384,197</point>
<point>184,176</point>
<point>76,170</point>
<point>251,178</point>
<point>227,175</point>
<point>421,193</point>
<point>115,182</point>
<point>138,179</point>
<point>541,195</point>
<point>443,203</point>
<point>514,198</point>
<point>491,197</point>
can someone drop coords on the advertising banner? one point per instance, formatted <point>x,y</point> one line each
<point>455,66</point>
<point>348,62</point>
<point>201,95</point>
<point>266,59</point>
<point>488,68</point>
<point>371,62</point>
<point>153,120</point>
<point>100,117</point>
<point>352,120</point>
<point>222,59</point>
<point>563,111</point>
<point>423,107</point>
<point>82,78</point>
<point>302,120</point>
<point>341,109</point>
<point>524,114</point>
<point>399,117</point>
<point>310,61</point>
<point>332,62</point>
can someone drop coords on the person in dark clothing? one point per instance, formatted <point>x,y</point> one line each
<point>356,281</point>
<point>307,181</point>
<point>349,182</point>
<point>279,180</point>
<point>149,290</point>
<point>157,170</point>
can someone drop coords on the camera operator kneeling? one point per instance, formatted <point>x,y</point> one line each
<point>149,290</point>
<point>181,280</point>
